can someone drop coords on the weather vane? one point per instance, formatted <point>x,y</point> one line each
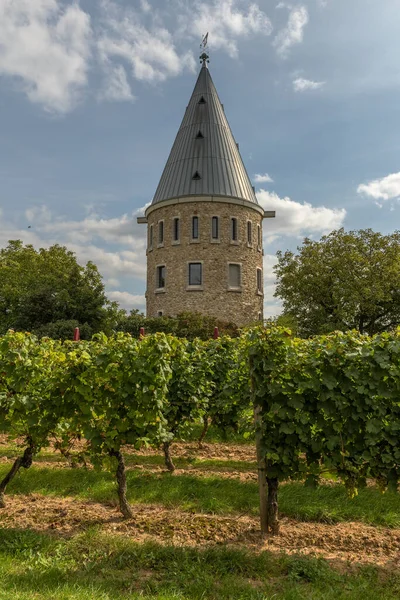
<point>204,57</point>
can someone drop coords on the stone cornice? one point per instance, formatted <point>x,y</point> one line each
<point>216,199</point>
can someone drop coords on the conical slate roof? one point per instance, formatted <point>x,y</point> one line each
<point>205,159</point>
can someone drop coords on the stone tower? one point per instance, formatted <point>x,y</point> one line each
<point>204,226</point>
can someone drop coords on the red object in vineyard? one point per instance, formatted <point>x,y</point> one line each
<point>77,334</point>
<point>216,333</point>
<point>141,333</point>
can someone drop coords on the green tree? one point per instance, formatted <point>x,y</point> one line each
<point>186,325</point>
<point>42,290</point>
<point>347,280</point>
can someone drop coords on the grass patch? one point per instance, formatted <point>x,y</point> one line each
<point>192,462</point>
<point>214,434</point>
<point>328,504</point>
<point>95,566</point>
<point>153,460</point>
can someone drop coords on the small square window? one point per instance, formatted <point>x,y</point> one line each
<point>234,276</point>
<point>249,233</point>
<point>160,313</point>
<point>259,281</point>
<point>195,274</point>
<point>215,228</point>
<point>234,229</point>
<point>160,277</point>
<point>195,228</point>
<point>161,232</point>
<point>176,229</point>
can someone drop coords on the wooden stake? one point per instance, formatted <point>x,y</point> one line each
<point>262,473</point>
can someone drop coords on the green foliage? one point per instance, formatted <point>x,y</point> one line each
<point>347,280</point>
<point>331,401</point>
<point>118,387</point>
<point>190,387</point>
<point>64,330</point>
<point>29,372</point>
<point>41,290</point>
<point>230,404</point>
<point>185,325</point>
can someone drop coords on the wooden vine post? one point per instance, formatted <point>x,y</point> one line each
<point>262,473</point>
<point>261,461</point>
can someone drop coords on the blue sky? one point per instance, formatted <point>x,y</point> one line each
<point>92,95</point>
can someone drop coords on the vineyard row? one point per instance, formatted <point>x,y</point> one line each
<point>330,403</point>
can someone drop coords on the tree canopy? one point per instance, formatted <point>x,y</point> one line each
<point>347,280</point>
<point>187,325</point>
<point>48,292</point>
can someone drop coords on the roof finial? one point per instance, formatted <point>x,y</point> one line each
<point>204,57</point>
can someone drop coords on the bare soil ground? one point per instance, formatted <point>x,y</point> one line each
<point>188,450</point>
<point>344,542</point>
<point>215,451</point>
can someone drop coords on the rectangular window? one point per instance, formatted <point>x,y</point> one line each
<point>161,276</point>
<point>259,280</point>
<point>195,274</point>
<point>161,232</point>
<point>160,313</point>
<point>234,229</point>
<point>195,228</point>
<point>176,229</point>
<point>249,233</point>
<point>151,237</point>
<point>215,228</point>
<point>258,236</point>
<point>234,276</point>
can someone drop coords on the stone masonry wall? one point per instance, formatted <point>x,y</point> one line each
<point>215,298</point>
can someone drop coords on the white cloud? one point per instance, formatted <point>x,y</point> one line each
<point>225,21</point>
<point>127,300</point>
<point>258,178</point>
<point>45,47</point>
<point>272,305</point>
<point>112,282</point>
<point>294,218</point>
<point>48,47</point>
<point>151,53</point>
<point>303,85</point>
<point>269,261</point>
<point>116,245</point>
<point>386,188</point>
<point>145,6</point>
<point>293,33</point>
<point>116,86</point>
